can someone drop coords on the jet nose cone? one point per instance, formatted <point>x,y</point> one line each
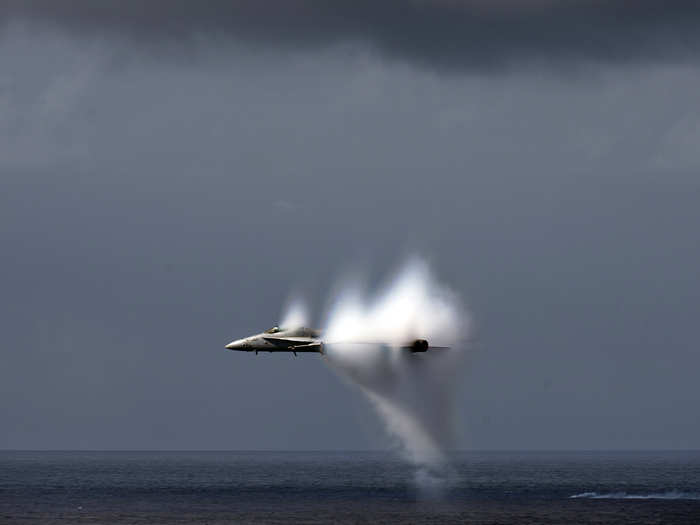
<point>235,345</point>
<point>238,344</point>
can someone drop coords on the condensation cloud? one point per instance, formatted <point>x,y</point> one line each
<point>296,313</point>
<point>414,394</point>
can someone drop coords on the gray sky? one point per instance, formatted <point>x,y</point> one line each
<point>170,174</point>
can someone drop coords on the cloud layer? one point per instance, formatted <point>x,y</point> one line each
<point>436,34</point>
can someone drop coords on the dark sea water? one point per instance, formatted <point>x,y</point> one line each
<point>349,487</point>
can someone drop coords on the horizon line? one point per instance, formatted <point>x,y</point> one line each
<point>329,450</point>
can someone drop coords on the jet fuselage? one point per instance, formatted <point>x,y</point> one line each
<point>301,339</point>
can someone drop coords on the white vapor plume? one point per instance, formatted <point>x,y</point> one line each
<point>413,393</point>
<point>295,313</point>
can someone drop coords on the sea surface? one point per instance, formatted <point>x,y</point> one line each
<point>348,487</point>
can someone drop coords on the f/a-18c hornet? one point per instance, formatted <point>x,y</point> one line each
<point>301,339</point>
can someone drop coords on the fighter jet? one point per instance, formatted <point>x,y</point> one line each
<point>302,339</point>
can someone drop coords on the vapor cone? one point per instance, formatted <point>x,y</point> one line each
<point>366,335</point>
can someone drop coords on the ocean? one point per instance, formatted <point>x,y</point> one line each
<point>348,487</point>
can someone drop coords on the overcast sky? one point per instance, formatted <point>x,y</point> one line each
<point>170,172</point>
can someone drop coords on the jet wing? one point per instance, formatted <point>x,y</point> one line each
<point>296,344</point>
<point>288,341</point>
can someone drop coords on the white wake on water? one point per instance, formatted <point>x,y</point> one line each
<point>623,495</point>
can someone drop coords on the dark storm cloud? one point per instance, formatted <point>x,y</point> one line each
<point>441,34</point>
<point>141,230</point>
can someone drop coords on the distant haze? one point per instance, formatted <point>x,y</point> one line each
<point>173,174</point>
